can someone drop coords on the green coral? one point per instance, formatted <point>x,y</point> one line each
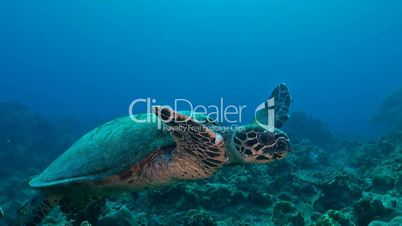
<point>285,212</point>
<point>334,218</point>
<point>120,217</point>
<point>383,182</point>
<point>199,218</point>
<point>397,221</point>
<point>368,209</point>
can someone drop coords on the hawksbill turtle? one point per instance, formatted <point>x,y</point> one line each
<point>124,156</point>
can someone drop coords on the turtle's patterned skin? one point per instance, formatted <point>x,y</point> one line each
<point>256,145</point>
<point>126,156</point>
<point>195,156</point>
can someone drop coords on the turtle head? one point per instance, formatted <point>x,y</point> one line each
<point>255,144</point>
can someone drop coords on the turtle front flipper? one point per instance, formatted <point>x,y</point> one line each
<point>199,152</point>
<point>34,211</point>
<point>281,100</point>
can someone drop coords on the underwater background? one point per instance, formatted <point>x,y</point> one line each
<point>69,66</point>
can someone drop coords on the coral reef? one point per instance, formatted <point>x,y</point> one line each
<point>389,113</point>
<point>24,136</point>
<point>120,217</point>
<point>369,209</point>
<point>304,126</point>
<point>357,183</point>
<point>397,221</point>
<point>284,212</point>
<point>334,217</point>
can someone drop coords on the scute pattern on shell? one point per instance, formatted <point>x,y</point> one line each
<point>107,150</point>
<point>104,151</point>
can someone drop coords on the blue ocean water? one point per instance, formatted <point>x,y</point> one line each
<point>80,63</point>
<point>90,59</point>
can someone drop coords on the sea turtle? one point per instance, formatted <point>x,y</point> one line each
<point>126,155</point>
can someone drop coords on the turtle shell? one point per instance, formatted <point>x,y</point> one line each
<point>106,150</point>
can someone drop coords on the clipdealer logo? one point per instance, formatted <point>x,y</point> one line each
<point>222,113</point>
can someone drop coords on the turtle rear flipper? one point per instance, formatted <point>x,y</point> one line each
<point>199,152</point>
<point>33,212</point>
